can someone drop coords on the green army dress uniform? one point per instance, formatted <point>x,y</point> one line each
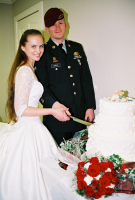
<point>66,79</point>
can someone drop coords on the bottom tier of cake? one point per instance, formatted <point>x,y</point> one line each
<point>124,147</point>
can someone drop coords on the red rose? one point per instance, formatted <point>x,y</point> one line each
<point>109,191</point>
<point>81,164</point>
<point>111,165</point>
<point>103,166</point>
<point>113,172</point>
<point>93,170</point>
<point>94,183</point>
<point>104,182</point>
<point>80,173</point>
<point>115,180</point>
<point>81,184</point>
<point>89,192</point>
<point>108,175</point>
<point>123,167</point>
<point>102,190</point>
<point>94,160</point>
<point>97,195</point>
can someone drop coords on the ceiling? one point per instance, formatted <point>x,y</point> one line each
<point>7,1</point>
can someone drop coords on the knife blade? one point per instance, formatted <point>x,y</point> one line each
<point>80,121</point>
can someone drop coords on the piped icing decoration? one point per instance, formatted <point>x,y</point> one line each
<point>119,96</point>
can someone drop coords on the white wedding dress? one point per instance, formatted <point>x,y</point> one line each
<point>29,168</point>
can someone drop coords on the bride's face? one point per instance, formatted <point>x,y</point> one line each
<point>34,48</point>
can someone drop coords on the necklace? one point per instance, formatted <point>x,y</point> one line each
<point>31,66</point>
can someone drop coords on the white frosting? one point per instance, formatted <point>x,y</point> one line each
<point>117,109</point>
<point>114,130</point>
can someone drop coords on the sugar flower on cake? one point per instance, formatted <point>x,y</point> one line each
<point>121,93</point>
<point>119,96</point>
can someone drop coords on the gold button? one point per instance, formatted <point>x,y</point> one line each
<point>73,84</point>
<point>71,75</point>
<point>56,68</point>
<point>74,93</point>
<point>69,67</point>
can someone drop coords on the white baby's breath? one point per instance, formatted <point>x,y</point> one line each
<point>108,170</point>
<point>88,179</point>
<point>112,185</point>
<point>98,177</point>
<point>87,165</point>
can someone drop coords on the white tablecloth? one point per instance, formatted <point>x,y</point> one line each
<point>117,196</point>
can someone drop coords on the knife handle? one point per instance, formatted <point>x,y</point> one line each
<point>70,116</point>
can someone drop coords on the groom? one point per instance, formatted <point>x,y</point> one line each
<point>64,72</point>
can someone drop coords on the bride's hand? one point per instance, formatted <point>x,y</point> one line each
<point>61,113</point>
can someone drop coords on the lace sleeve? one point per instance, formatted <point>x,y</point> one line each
<point>23,82</point>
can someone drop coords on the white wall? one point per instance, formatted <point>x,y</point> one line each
<point>106,28</point>
<point>6,53</point>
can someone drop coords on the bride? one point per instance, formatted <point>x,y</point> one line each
<point>28,154</point>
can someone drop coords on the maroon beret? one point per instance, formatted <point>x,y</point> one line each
<point>53,15</point>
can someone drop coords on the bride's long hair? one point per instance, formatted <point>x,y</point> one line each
<point>20,59</point>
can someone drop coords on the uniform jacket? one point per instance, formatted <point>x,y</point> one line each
<point>66,79</point>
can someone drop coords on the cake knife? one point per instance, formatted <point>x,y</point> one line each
<point>80,121</point>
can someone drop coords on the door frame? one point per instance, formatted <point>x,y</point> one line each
<point>36,8</point>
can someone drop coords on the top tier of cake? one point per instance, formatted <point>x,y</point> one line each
<point>117,106</point>
<point>116,109</point>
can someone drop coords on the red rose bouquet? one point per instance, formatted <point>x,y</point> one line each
<point>96,178</point>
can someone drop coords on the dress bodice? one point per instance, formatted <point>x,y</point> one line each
<point>35,94</point>
<point>27,90</point>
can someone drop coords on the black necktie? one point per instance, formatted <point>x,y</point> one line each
<point>60,46</point>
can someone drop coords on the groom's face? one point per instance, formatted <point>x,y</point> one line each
<point>57,31</point>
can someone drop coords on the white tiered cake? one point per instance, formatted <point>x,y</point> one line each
<point>114,128</point>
